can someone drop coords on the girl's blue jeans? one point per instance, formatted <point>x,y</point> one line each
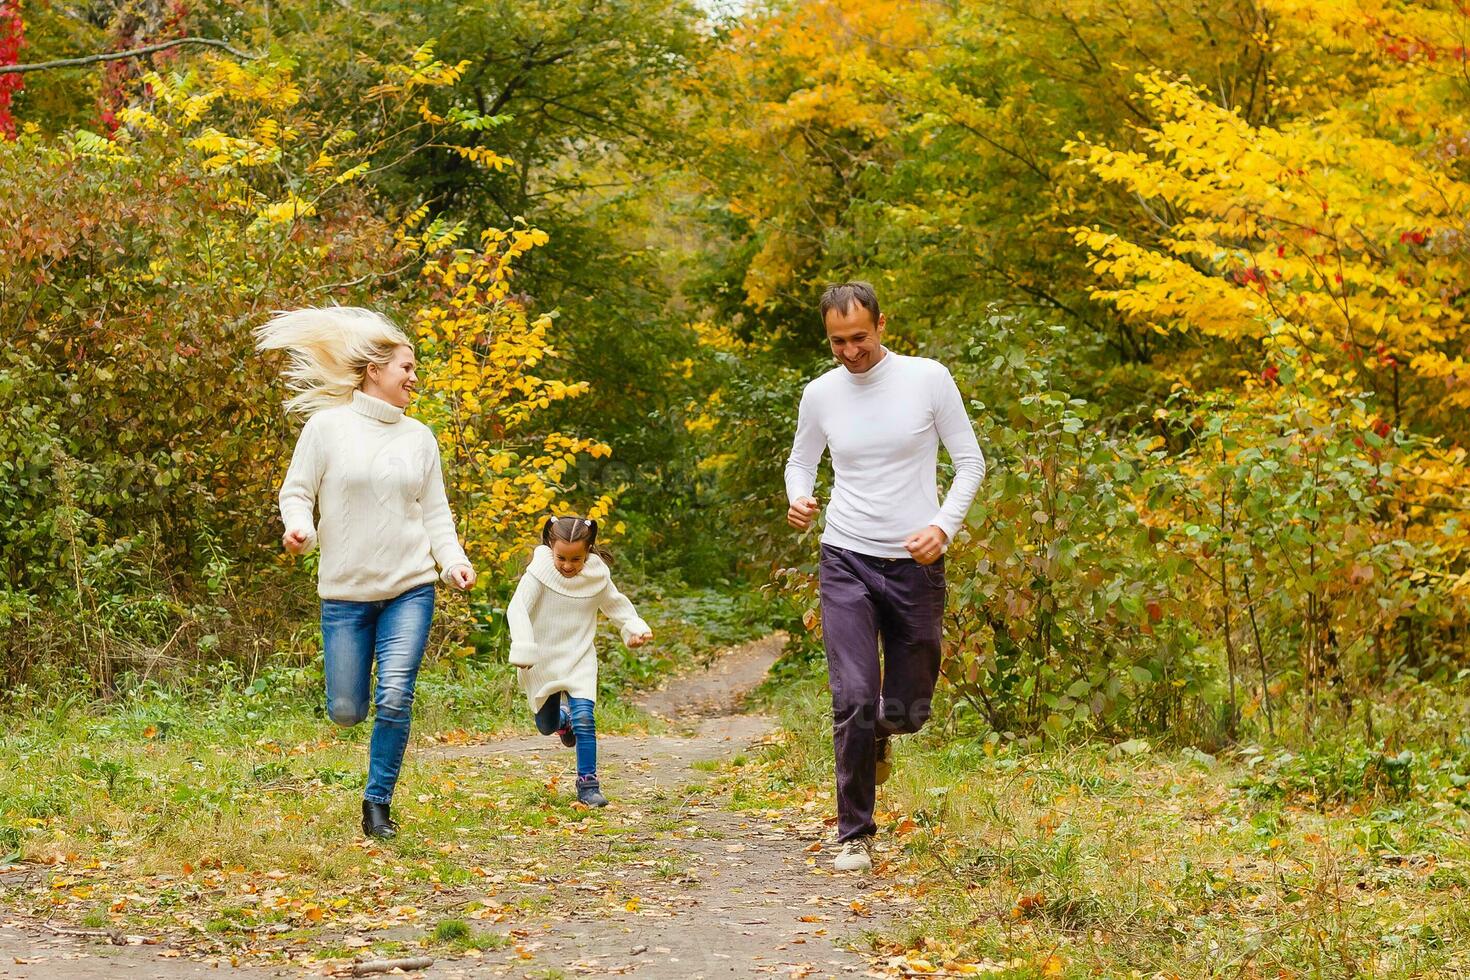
<point>578,714</point>
<point>392,633</point>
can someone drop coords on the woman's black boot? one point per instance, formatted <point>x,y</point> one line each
<point>375,820</point>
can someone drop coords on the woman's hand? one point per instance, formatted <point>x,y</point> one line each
<point>462,577</point>
<point>295,541</point>
<point>638,639</point>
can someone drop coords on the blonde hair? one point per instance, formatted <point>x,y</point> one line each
<point>331,348</point>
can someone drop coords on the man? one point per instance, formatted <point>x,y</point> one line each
<point>882,415</point>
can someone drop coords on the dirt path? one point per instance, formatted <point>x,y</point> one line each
<point>712,892</point>
<point>749,895</point>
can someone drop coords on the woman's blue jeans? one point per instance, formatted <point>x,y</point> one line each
<point>580,716</point>
<point>393,633</point>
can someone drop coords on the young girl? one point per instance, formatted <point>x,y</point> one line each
<point>553,616</point>
<point>365,487</point>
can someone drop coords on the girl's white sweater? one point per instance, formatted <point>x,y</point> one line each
<point>374,475</point>
<point>553,619</point>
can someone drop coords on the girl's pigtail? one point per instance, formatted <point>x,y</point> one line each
<point>592,545</point>
<point>573,529</point>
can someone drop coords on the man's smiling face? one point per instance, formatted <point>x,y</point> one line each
<point>856,337</point>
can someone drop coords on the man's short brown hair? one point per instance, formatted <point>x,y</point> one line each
<point>840,297</point>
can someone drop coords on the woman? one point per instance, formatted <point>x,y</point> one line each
<point>374,476</point>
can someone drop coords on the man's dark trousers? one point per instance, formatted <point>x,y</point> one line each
<point>865,598</point>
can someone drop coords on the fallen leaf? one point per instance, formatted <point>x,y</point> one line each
<point>1134,746</point>
<point>1026,903</point>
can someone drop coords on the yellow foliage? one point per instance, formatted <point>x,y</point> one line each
<point>483,156</point>
<point>281,212</point>
<point>425,70</point>
<point>1326,243</point>
<point>789,153</point>
<point>702,422</point>
<point>351,173</point>
<point>268,84</point>
<point>481,346</point>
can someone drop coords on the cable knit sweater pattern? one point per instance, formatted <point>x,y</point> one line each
<point>553,621</point>
<point>375,477</point>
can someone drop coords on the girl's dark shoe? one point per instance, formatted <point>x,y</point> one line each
<point>376,822</point>
<point>568,737</point>
<point>589,791</point>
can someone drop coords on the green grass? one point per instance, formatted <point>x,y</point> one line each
<point>451,931</point>
<point>225,814</point>
<point>456,934</point>
<point>1334,860</point>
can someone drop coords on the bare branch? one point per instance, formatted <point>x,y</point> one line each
<point>93,59</point>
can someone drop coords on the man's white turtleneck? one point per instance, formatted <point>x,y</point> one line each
<point>883,428</point>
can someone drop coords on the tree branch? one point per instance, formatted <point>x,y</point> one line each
<point>92,59</point>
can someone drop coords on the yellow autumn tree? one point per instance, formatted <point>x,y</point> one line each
<point>1318,266</point>
<point>480,347</point>
<point>483,346</point>
<point>792,116</point>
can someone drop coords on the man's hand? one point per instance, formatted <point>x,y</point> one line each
<point>295,541</point>
<point>802,513</point>
<point>926,546</point>
<point>462,577</point>
<point>638,639</point>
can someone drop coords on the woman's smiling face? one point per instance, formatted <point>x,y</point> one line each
<point>395,381</point>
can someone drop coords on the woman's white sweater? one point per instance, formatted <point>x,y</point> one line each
<point>375,476</point>
<point>553,619</point>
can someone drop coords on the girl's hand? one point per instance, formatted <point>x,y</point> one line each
<point>462,577</point>
<point>295,541</point>
<point>639,639</point>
